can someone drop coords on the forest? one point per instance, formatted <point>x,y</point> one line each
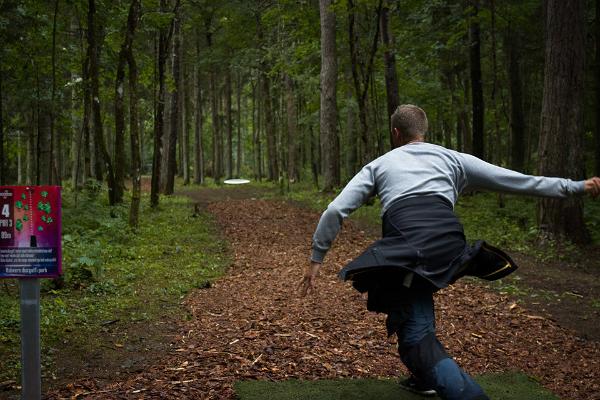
<point>141,109</point>
<point>95,93</point>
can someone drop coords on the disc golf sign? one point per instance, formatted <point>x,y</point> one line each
<point>30,232</point>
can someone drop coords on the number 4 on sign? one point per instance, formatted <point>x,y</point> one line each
<point>5,211</point>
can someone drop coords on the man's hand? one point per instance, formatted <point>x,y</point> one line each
<point>592,186</point>
<point>310,276</point>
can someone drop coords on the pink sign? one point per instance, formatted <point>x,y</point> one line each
<point>30,232</point>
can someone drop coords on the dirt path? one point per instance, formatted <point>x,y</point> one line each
<point>252,325</point>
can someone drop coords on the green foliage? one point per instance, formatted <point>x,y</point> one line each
<point>112,273</point>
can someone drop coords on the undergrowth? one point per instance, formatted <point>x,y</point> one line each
<point>112,273</point>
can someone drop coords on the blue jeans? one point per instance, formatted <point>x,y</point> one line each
<point>413,320</point>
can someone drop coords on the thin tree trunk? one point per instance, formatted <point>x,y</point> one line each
<point>517,118</point>
<point>94,75</point>
<point>87,113</point>
<point>239,126</point>
<point>292,131</point>
<point>2,158</point>
<point>55,171</point>
<point>269,124</point>
<point>124,56</point>
<point>229,148</point>
<point>176,98</point>
<point>328,116</point>
<point>597,132</point>
<point>199,148</point>
<point>389,57</point>
<point>561,151</point>
<point>361,82</point>
<point>476,82</point>
<point>163,47</point>
<point>136,163</point>
<point>31,150</point>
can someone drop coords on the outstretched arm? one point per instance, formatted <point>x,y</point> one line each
<point>356,192</point>
<point>481,174</point>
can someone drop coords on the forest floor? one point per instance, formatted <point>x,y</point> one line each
<point>251,324</point>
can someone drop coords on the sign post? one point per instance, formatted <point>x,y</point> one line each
<point>30,248</point>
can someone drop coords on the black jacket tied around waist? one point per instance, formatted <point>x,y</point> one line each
<point>423,238</point>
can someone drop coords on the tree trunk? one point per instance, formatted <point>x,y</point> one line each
<point>561,151</point>
<point>87,114</point>
<point>199,148</point>
<point>517,118</point>
<point>389,57</point>
<point>597,133</point>
<point>55,169</point>
<point>124,56</point>
<point>239,126</point>
<point>2,168</point>
<point>216,167</point>
<point>98,133</point>
<point>176,98</point>
<point>361,77</point>
<point>292,131</point>
<point>269,122</point>
<point>159,117</point>
<point>229,148</point>
<point>328,117</point>
<point>136,163</point>
<point>187,114</point>
<point>476,82</point>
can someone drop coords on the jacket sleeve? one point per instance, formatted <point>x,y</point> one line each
<point>480,174</point>
<point>356,192</point>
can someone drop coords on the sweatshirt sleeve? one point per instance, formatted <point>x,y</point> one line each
<point>356,192</point>
<point>480,174</point>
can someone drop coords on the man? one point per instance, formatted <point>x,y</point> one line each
<point>423,248</point>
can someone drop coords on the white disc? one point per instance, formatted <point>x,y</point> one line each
<point>236,181</point>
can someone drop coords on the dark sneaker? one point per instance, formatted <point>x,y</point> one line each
<point>412,385</point>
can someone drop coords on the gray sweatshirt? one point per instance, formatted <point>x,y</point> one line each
<point>425,169</point>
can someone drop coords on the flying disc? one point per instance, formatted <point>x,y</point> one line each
<point>236,181</point>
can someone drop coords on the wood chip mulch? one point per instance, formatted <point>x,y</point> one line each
<point>251,324</point>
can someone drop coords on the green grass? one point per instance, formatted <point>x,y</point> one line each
<point>112,273</point>
<point>506,386</point>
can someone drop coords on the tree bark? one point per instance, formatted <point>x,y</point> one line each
<point>87,114</point>
<point>98,133</point>
<point>159,118</point>
<point>199,148</point>
<point>125,54</point>
<point>176,98</point>
<point>292,131</point>
<point>55,169</point>
<point>328,117</point>
<point>561,151</point>
<point>136,163</point>
<point>187,117</point>
<point>2,158</point>
<point>517,117</point>
<point>361,75</point>
<point>597,132</point>
<point>229,147</point>
<point>239,126</point>
<point>269,123</point>
<point>476,82</point>
<point>389,58</point>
